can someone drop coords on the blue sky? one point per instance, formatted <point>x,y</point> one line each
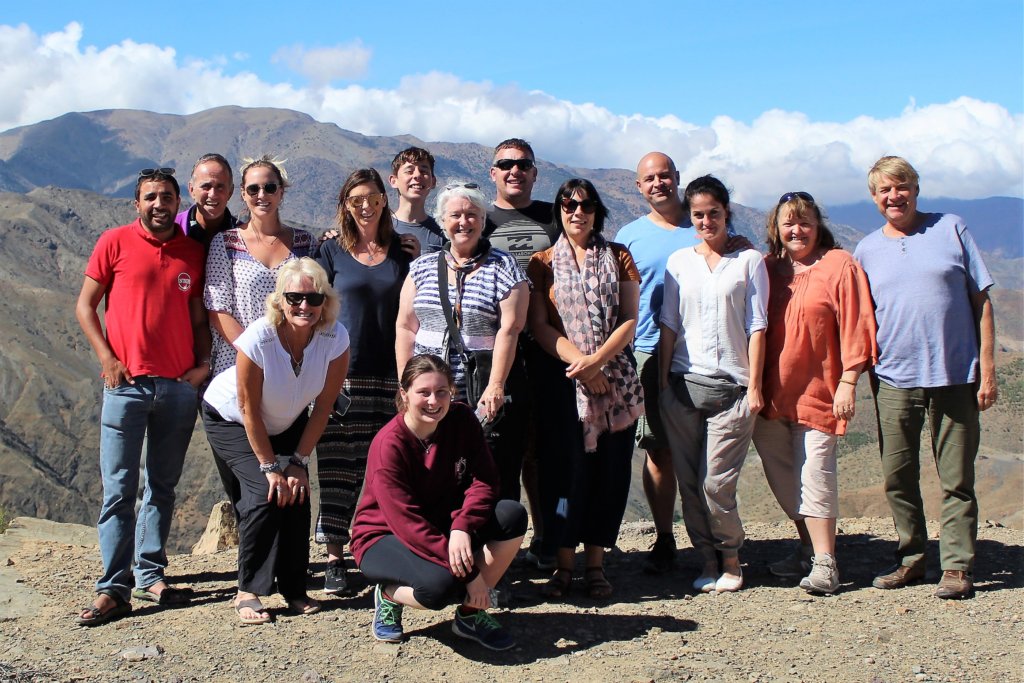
<point>820,88</point>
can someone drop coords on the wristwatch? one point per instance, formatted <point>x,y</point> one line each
<point>300,460</point>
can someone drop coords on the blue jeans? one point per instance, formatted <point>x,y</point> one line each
<point>160,412</point>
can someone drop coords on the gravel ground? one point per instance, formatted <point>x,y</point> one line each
<point>653,628</point>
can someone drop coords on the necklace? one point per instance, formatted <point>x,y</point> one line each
<point>373,252</point>
<point>296,364</point>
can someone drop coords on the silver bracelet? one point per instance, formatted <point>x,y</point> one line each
<point>268,467</point>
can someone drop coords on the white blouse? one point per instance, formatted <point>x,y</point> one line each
<point>714,312</point>
<point>285,395</point>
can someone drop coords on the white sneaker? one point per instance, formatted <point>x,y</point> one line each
<point>705,583</point>
<point>727,583</point>
<point>824,576</point>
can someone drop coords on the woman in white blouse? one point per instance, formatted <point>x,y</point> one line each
<point>257,419</point>
<point>712,354</point>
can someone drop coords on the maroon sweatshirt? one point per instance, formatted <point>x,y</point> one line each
<point>421,495</point>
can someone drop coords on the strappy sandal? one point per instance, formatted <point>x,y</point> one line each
<point>598,587</point>
<point>94,616</point>
<point>558,585</point>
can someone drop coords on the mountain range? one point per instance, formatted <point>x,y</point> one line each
<point>64,181</point>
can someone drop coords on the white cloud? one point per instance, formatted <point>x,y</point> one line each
<point>323,65</point>
<point>964,148</point>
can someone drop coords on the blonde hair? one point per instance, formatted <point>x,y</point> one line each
<point>894,167</point>
<point>297,268</point>
<point>266,161</point>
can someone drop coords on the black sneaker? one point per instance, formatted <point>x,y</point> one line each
<point>484,629</point>
<point>662,557</point>
<point>336,579</point>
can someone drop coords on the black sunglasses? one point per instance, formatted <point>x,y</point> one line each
<point>509,164</point>
<point>254,189</point>
<point>790,196</point>
<point>468,186</point>
<point>150,172</point>
<point>570,205</point>
<point>312,298</point>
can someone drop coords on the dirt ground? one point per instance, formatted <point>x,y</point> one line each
<point>653,628</point>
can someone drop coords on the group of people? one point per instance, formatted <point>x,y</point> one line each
<point>569,349</point>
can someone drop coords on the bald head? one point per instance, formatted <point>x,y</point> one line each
<point>658,182</point>
<point>656,159</point>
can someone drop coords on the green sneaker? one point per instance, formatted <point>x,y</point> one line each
<point>387,618</point>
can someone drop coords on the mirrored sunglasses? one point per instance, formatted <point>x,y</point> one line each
<point>356,201</point>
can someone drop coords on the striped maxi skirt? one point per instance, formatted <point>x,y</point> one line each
<point>342,450</point>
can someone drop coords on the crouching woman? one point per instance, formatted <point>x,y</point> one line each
<point>430,530</point>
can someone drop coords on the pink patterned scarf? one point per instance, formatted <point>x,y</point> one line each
<point>587,301</point>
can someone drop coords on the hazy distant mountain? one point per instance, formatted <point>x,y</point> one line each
<point>49,387</point>
<point>102,151</point>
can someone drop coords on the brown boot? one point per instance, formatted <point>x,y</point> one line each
<point>899,577</point>
<point>955,585</point>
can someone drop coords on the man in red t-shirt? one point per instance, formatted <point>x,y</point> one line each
<point>154,355</point>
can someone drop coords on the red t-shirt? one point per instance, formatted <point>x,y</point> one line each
<point>148,286</point>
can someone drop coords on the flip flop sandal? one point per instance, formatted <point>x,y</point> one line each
<point>256,606</point>
<point>168,596</point>
<point>598,587</point>
<point>94,616</point>
<point>303,607</point>
<point>558,585</point>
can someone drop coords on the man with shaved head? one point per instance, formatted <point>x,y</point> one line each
<point>651,239</point>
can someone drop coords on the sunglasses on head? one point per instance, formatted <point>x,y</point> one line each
<point>790,196</point>
<point>356,201</point>
<point>509,164</point>
<point>312,298</point>
<point>468,186</point>
<point>150,172</point>
<point>570,205</point>
<point>254,189</point>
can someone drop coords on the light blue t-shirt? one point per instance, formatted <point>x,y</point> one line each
<point>651,246</point>
<point>922,286</point>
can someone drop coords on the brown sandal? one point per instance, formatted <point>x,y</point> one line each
<point>598,587</point>
<point>558,585</point>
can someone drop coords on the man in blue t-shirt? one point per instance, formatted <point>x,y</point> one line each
<point>936,363</point>
<point>651,239</point>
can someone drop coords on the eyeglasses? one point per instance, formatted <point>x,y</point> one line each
<point>570,205</point>
<point>509,164</point>
<point>468,186</point>
<point>150,172</point>
<point>790,196</point>
<point>312,298</point>
<point>254,189</point>
<point>357,201</point>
